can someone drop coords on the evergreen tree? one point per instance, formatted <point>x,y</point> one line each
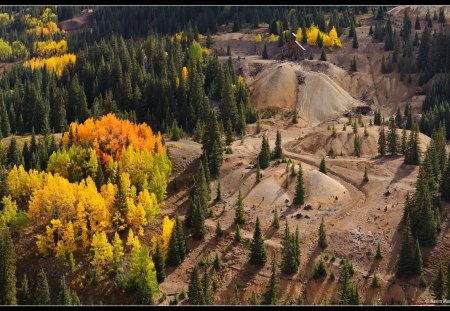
<point>195,293</point>
<point>258,171</point>
<point>64,297</point>
<point>198,219</point>
<point>405,263</point>
<point>8,260</point>
<point>378,254</point>
<point>254,300</point>
<point>265,54</point>
<point>323,55</point>
<point>345,291</point>
<point>42,293</point>
<point>365,177</point>
<point>212,144</point>
<point>271,294</point>
<point>235,301</point>
<point>357,146</point>
<point>264,155</point>
<point>182,249</point>
<point>382,142</point>
<point>375,281</point>
<point>300,191</point>
<point>229,135</point>
<point>13,155</point>
<point>158,259</point>
<point>239,217</point>
<point>295,117</point>
<point>322,235</point>
<point>120,203</point>
<point>217,263</point>
<point>323,166</point>
<point>418,263</point>
<point>417,24</point>
<point>276,220</point>
<point>353,66</point>
<point>219,231</point>
<point>438,285</point>
<point>23,292</point>
<point>219,192</point>
<point>355,43</point>
<point>208,298</point>
<point>277,151</point>
<point>237,234</point>
<point>258,251</point>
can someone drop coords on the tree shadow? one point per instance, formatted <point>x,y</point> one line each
<point>402,172</point>
<point>396,243</point>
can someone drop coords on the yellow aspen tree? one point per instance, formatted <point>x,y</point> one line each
<point>102,251</point>
<point>150,204</point>
<point>299,34</point>
<point>167,227</point>
<point>118,250</point>
<point>9,210</point>
<point>132,240</point>
<point>136,217</point>
<point>258,38</point>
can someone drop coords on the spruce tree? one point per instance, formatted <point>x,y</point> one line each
<point>276,220</point>
<point>237,234</point>
<point>355,43</point>
<point>182,249</point>
<point>300,191</point>
<point>229,135</point>
<point>417,24</point>
<point>258,171</point>
<point>217,263</point>
<point>258,251</point>
<point>322,235</point>
<point>208,297</point>
<point>382,142</point>
<point>158,259</point>
<point>64,297</point>
<point>8,261</point>
<point>392,136</point>
<point>219,231</point>
<point>13,155</point>
<point>323,166</point>
<point>365,177</point>
<point>323,55</point>
<point>239,217</point>
<point>197,220</point>
<point>295,117</point>
<point>418,263</point>
<point>219,192</point>
<point>265,54</point>
<point>438,285</point>
<point>235,301</point>
<point>345,290</point>
<point>42,293</point>
<point>357,146</point>
<point>264,155</point>
<point>254,300</point>
<point>120,206</point>
<point>271,294</point>
<point>378,254</point>
<point>23,292</point>
<point>277,151</point>
<point>405,265</point>
<point>195,292</point>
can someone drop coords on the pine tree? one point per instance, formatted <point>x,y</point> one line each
<point>235,301</point>
<point>375,281</point>
<point>418,263</point>
<point>197,220</point>
<point>295,117</point>
<point>322,235</point>
<point>42,293</point>
<point>239,217</point>
<point>258,251</point>
<point>208,297</point>
<point>405,266</point>
<point>8,260</point>
<point>345,291</point>
<point>271,294</point>
<point>219,231</point>
<point>217,263</point>
<point>120,203</point>
<point>65,297</point>
<point>229,135</point>
<point>219,192</point>
<point>353,66</point>
<point>254,300</point>
<point>417,24</point>
<point>357,146</point>
<point>382,142</point>
<point>355,43</point>
<point>264,155</point>
<point>212,144</point>
<point>158,260</point>
<point>438,285</point>
<point>12,154</point>
<point>195,293</point>
<point>323,166</point>
<point>178,228</point>
<point>23,292</point>
<point>276,220</point>
<point>237,234</point>
<point>392,136</point>
<point>300,191</point>
<point>258,171</point>
<point>323,55</point>
<point>265,54</point>
<point>378,254</point>
<point>366,177</point>
<point>277,151</point>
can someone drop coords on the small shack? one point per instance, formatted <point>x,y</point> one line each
<point>295,50</point>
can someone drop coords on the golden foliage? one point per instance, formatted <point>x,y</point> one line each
<point>328,40</point>
<point>50,48</point>
<point>167,227</point>
<point>52,64</point>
